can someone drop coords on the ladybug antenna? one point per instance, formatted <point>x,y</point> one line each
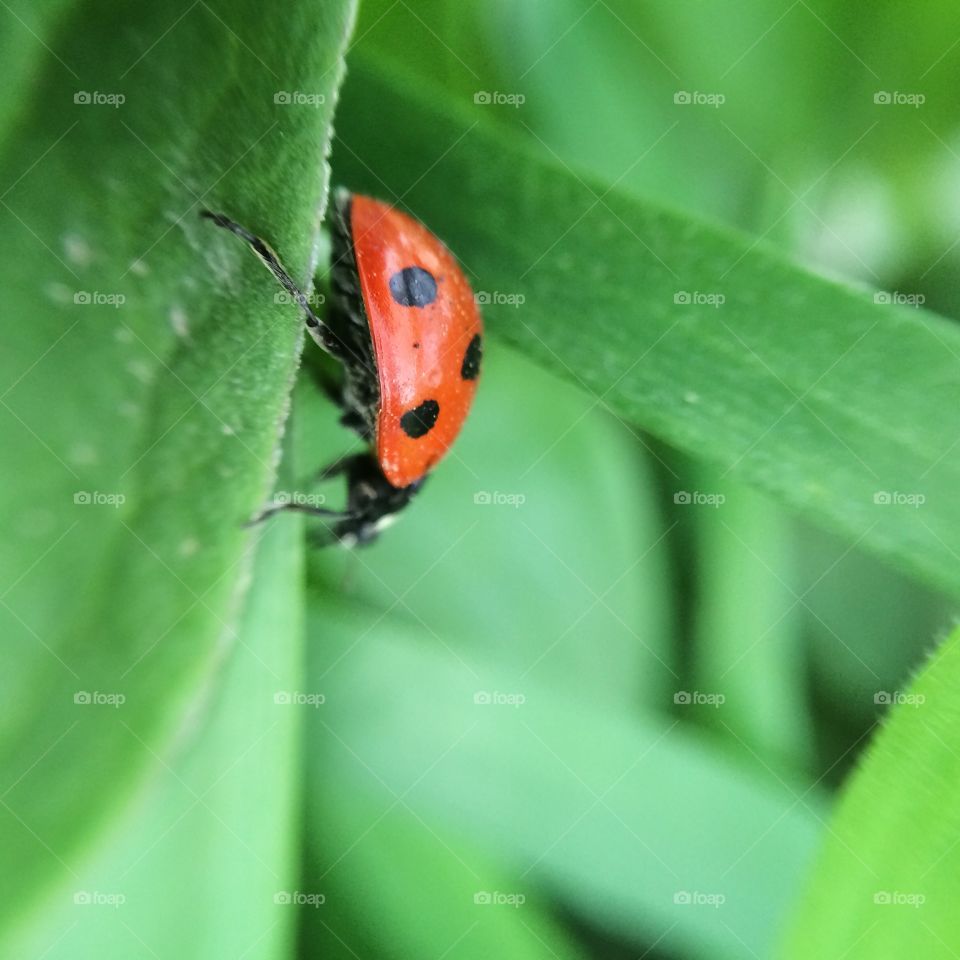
<point>272,261</point>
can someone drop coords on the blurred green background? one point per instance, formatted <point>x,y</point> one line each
<point>607,714</point>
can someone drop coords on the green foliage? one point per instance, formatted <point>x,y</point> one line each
<point>784,386</point>
<point>610,665</point>
<point>565,793</point>
<point>213,834</point>
<point>885,884</point>
<point>146,385</point>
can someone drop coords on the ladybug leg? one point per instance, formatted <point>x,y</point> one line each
<point>342,465</point>
<point>372,502</point>
<point>346,464</point>
<point>318,329</point>
<point>330,532</point>
<point>335,515</point>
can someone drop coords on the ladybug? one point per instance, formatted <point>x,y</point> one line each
<point>405,328</point>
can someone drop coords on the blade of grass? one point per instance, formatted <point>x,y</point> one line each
<point>214,837</point>
<point>805,388</point>
<point>144,384</point>
<point>631,821</point>
<point>432,893</point>
<point>749,610</point>
<point>887,883</point>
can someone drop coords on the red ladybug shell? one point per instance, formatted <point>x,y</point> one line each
<point>427,337</point>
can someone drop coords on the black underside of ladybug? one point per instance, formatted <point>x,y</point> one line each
<point>344,334</point>
<point>360,390</point>
<point>370,496</point>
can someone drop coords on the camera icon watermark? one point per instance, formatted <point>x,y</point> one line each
<point>284,297</point>
<point>897,898</point>
<point>697,98</point>
<point>95,98</point>
<point>696,498</point>
<point>897,98</point>
<point>496,98</point>
<point>294,498</point>
<point>96,498</point>
<point>496,498</point>
<point>687,698</point>
<point>497,898</point>
<point>94,298</point>
<point>96,698</point>
<point>297,98</point>
<point>299,698</point>
<point>298,898</point>
<point>699,298</point>
<point>897,299</point>
<point>695,898</point>
<point>97,898</point>
<point>496,698</point>
<point>896,498</point>
<point>891,698</point>
<point>485,298</point>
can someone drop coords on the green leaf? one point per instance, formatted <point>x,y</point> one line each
<point>496,563</point>
<point>868,628</point>
<point>466,907</point>
<point>620,816</point>
<point>748,638</point>
<point>796,385</point>
<point>887,882</point>
<point>229,800</point>
<point>536,575</point>
<point>148,365</point>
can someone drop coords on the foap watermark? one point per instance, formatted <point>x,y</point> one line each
<point>485,98</point>
<point>97,498</point>
<point>697,698</point>
<point>698,298</point>
<point>498,898</point>
<point>894,298</point>
<point>297,898</point>
<point>97,698</point>
<point>897,98</point>
<point>294,498</point>
<point>896,498</point>
<point>697,498</point>
<point>697,898</point>
<point>898,898</point>
<point>97,98</point>
<point>284,297</point>
<point>98,898</point>
<point>891,698</point>
<point>299,698</point>
<point>497,698</point>
<point>498,298</point>
<point>497,498</point>
<point>697,98</point>
<point>297,98</point>
<point>95,298</point>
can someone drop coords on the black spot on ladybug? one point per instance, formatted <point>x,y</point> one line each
<point>419,421</point>
<point>470,369</point>
<point>416,346</point>
<point>413,287</point>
